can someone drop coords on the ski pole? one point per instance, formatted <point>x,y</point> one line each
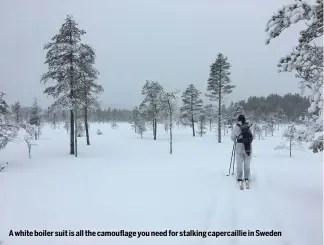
<point>234,155</point>
<point>229,170</point>
<point>234,158</point>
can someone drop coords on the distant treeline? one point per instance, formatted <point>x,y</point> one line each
<point>294,106</point>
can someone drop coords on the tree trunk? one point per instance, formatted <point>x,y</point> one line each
<point>71,132</point>
<point>76,133</point>
<point>219,115</point>
<point>170,131</point>
<point>193,125</point>
<point>210,124</point>
<point>71,97</point>
<point>155,125</point>
<point>289,148</point>
<point>86,124</point>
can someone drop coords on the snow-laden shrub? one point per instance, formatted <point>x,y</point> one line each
<point>99,132</point>
<point>291,139</point>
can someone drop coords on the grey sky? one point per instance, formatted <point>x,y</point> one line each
<point>171,41</point>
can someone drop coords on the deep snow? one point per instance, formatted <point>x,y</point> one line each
<point>123,182</point>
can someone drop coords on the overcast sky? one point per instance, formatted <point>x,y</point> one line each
<point>171,41</point>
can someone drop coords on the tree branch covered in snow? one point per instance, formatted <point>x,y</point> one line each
<point>307,58</point>
<point>8,130</point>
<point>293,13</point>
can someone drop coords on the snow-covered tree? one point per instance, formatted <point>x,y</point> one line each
<point>16,111</point>
<point>141,127</point>
<point>306,134</point>
<point>135,118</point>
<point>80,129</point>
<point>219,85</point>
<point>89,88</point>
<point>65,121</point>
<point>153,93</point>
<point>280,115</point>
<point>99,132</point>
<point>113,122</point>
<point>35,117</point>
<point>139,119</point>
<point>169,106</point>
<point>31,131</point>
<point>202,121</point>
<point>226,122</point>
<point>8,130</point>
<point>192,104</point>
<point>290,135</point>
<point>257,130</point>
<point>237,110</point>
<point>64,66</point>
<point>271,123</point>
<point>210,114</point>
<point>307,57</point>
<point>28,140</point>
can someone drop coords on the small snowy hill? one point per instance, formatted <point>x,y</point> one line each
<point>123,182</point>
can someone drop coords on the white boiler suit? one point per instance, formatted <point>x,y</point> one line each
<point>242,159</point>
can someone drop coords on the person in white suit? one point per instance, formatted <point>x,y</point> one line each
<point>243,151</point>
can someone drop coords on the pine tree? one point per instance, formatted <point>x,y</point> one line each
<point>80,129</point>
<point>291,135</point>
<point>140,120</point>
<point>141,127</point>
<point>16,111</point>
<point>226,122</point>
<point>153,93</point>
<point>210,114</point>
<point>307,57</point>
<point>114,124</point>
<point>202,121</point>
<point>35,116</point>
<point>63,60</point>
<point>169,105</point>
<point>219,85</point>
<point>192,105</point>
<point>135,118</point>
<point>88,88</point>
<point>237,110</point>
<point>257,130</point>
<point>7,130</point>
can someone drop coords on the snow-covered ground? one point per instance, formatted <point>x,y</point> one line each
<point>123,182</point>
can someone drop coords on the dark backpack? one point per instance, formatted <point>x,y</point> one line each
<point>247,137</point>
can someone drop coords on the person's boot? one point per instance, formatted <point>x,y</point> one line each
<point>247,183</point>
<point>240,183</point>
